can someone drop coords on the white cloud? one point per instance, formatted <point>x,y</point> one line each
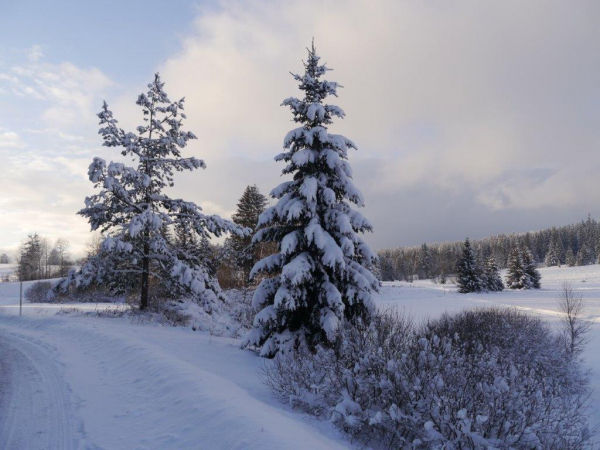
<point>56,132</point>
<point>10,139</point>
<point>70,94</point>
<point>35,53</point>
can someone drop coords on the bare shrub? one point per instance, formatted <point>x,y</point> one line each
<point>238,306</point>
<point>489,378</point>
<point>92,293</point>
<point>574,327</point>
<point>38,291</point>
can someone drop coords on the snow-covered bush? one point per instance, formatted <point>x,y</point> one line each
<point>37,292</point>
<point>482,379</point>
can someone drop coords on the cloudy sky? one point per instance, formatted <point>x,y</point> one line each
<point>471,118</point>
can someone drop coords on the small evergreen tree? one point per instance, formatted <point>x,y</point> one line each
<point>492,275</point>
<point>469,279</point>
<point>319,275</point>
<point>530,269</point>
<point>4,259</point>
<point>135,214</point>
<point>246,253</point>
<point>516,277</point>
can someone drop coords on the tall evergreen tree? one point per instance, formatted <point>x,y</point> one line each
<point>468,279</point>
<point>493,279</point>
<point>319,275</point>
<point>531,271</point>
<point>135,213</point>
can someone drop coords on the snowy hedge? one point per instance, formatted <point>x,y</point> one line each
<point>482,379</point>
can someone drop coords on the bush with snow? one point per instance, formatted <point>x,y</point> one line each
<point>482,379</point>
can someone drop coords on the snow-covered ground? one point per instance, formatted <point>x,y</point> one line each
<point>75,382</point>
<point>91,383</point>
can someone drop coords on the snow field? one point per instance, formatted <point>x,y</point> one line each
<point>113,385</point>
<point>148,387</point>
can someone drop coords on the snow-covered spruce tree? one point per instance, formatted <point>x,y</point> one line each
<point>319,276</point>
<point>516,277</point>
<point>531,271</point>
<point>134,212</point>
<point>493,279</point>
<point>468,279</point>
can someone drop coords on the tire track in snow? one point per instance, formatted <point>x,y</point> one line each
<point>36,408</point>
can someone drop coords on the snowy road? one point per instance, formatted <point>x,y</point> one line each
<point>91,383</point>
<point>36,405</point>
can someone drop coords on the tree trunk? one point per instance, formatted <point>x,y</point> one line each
<point>145,276</point>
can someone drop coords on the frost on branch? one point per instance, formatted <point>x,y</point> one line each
<point>137,217</point>
<point>319,276</point>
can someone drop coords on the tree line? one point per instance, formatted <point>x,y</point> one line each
<point>575,244</point>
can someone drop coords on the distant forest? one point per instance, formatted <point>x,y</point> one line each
<point>576,244</point>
